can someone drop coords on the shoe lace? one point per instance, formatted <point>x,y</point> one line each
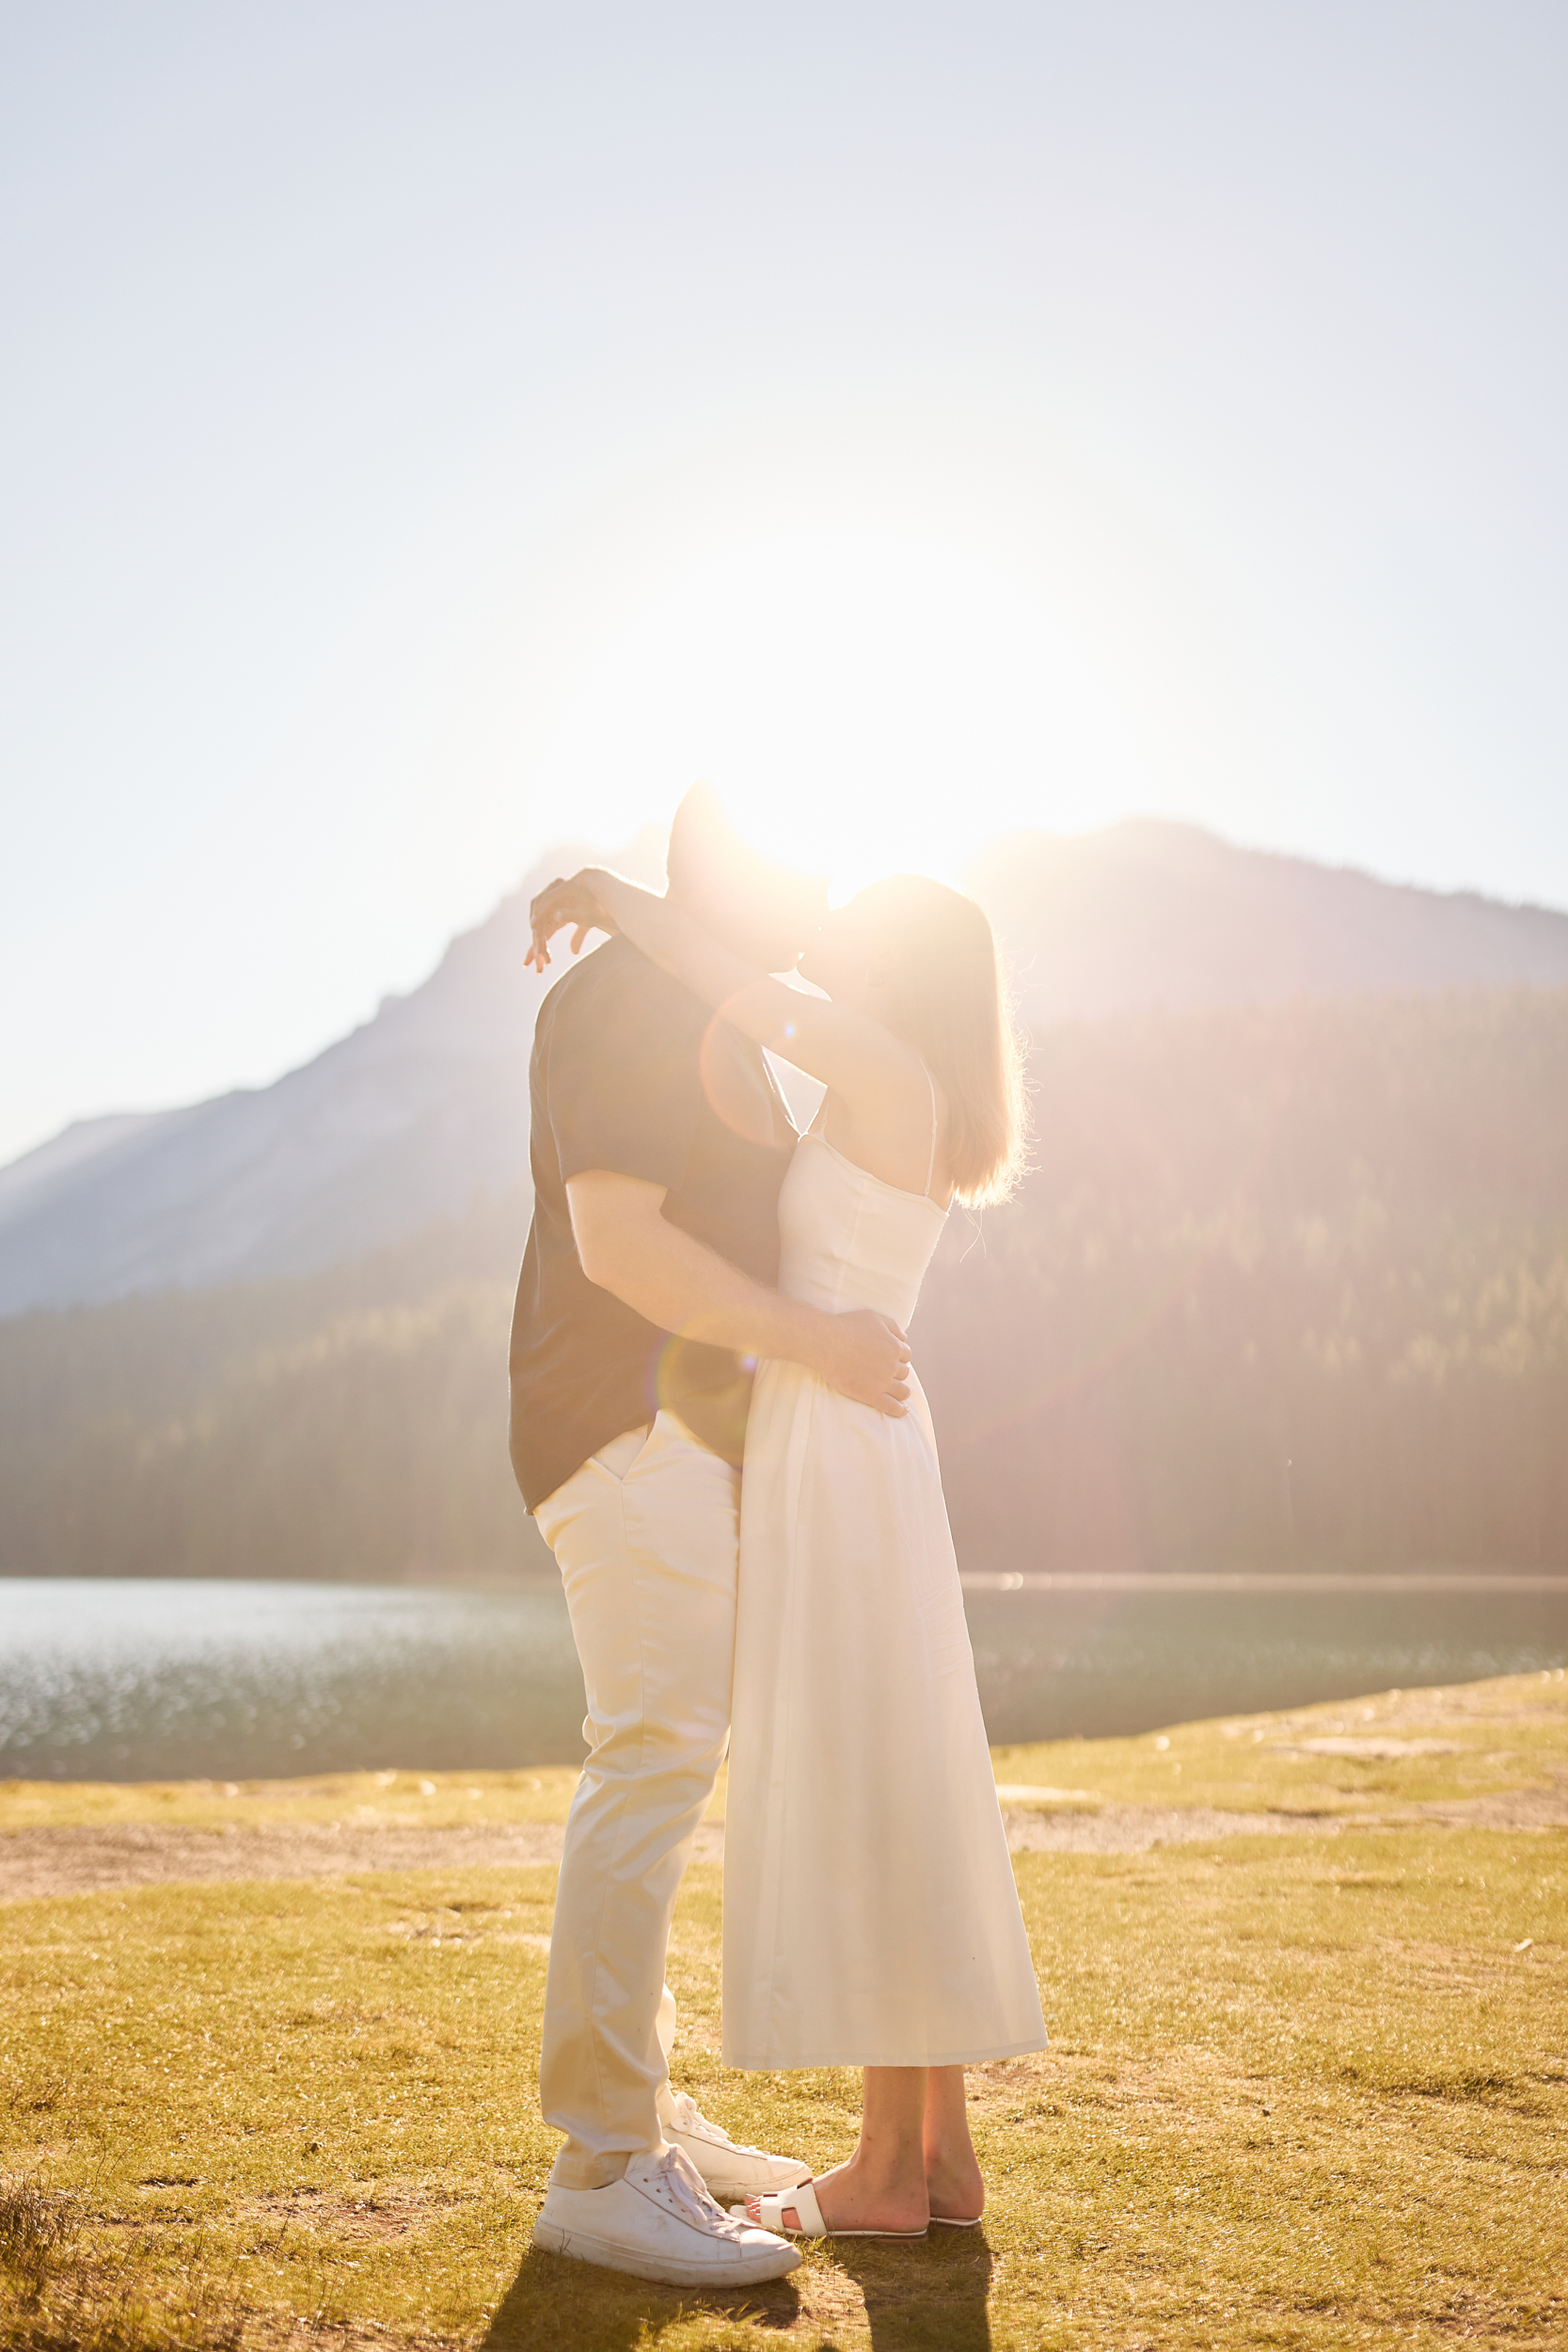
<point>685,2184</point>
<point>688,2117</point>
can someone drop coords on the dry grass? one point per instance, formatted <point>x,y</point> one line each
<point>1303,2091</point>
<point>35,2224</point>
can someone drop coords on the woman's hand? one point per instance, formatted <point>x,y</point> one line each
<point>561,903</point>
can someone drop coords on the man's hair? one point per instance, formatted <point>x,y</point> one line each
<point>713,867</point>
<point>698,831</point>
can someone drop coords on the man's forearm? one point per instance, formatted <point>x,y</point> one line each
<point>681,1285</point>
<point>628,1247</point>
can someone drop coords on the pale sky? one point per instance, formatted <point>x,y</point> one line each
<point>427,432</point>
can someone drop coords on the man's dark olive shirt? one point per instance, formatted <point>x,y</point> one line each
<point>626,1068</point>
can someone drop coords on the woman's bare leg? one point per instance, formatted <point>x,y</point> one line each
<point>883,2184</point>
<point>953,2177</point>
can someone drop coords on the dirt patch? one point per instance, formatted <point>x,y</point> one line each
<point>1371,1751</point>
<point>36,1861</point>
<point>281,2331</point>
<point>84,1861</point>
<point>1006,2081</point>
<point>1510,1809</point>
<point>39,1862</point>
<point>340,2213</point>
<point>1136,1828</point>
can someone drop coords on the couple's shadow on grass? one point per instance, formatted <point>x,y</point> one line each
<point>931,2298</point>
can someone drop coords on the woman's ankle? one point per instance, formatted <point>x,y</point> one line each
<point>853,2195</point>
<point>954,2174</point>
<point>897,2170</point>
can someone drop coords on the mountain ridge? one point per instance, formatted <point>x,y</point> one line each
<point>424,1108</point>
<point>1150,912</point>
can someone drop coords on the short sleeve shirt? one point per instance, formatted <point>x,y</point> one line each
<point>626,1072</point>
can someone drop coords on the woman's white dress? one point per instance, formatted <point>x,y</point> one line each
<point>870,1914</point>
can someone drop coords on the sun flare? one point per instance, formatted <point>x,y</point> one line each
<point>863,702</point>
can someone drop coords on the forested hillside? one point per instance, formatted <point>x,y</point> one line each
<point>1286,1287</point>
<point>347,1424</point>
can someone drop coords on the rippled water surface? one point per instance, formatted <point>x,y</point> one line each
<point>131,1680</point>
<point>152,1680</point>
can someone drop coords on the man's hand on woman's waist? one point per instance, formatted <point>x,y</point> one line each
<point>865,1356</point>
<point>627,1246</point>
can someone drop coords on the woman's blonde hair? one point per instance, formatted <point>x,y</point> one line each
<point>951,1005</point>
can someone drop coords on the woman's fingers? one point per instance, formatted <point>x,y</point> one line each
<point>551,910</point>
<point>561,904</point>
<point>898,1387</point>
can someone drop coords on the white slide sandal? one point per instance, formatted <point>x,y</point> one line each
<point>803,2203</point>
<point>957,2221</point>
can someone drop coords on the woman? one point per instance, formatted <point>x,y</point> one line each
<point>870,1914</point>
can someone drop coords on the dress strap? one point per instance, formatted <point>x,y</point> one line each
<point>931,1163</point>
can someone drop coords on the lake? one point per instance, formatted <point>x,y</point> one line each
<point>134,1679</point>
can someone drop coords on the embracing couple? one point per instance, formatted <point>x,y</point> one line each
<point>717,1426</point>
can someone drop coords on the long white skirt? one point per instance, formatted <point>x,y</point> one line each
<point>870,1914</point>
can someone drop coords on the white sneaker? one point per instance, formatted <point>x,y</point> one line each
<point>659,2221</point>
<point>730,2172</point>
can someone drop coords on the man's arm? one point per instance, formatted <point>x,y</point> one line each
<point>851,1053</point>
<point>628,1247</point>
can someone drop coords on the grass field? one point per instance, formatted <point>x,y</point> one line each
<point>1308,2084</point>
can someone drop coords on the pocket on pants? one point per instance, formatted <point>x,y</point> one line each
<point>579,1492</point>
<point>619,1457</point>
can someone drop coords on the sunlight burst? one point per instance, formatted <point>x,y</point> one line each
<point>863,702</point>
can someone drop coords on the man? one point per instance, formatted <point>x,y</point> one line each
<point>659,1143</point>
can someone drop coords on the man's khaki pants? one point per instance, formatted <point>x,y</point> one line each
<point>647,1535</point>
